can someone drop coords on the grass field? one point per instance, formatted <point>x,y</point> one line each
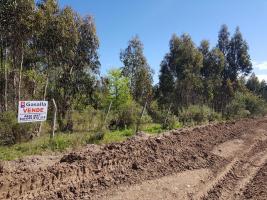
<point>64,141</point>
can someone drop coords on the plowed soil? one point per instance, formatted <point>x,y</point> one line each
<point>219,161</point>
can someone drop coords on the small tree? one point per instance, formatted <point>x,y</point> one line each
<point>124,113</point>
<point>119,91</point>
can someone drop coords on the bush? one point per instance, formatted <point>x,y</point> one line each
<point>95,137</point>
<point>88,119</point>
<point>155,112</point>
<point>245,105</point>
<point>124,117</point>
<point>171,122</point>
<point>198,114</point>
<point>12,132</point>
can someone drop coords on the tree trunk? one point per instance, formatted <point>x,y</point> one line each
<point>3,66</point>
<point>141,116</point>
<point>44,97</point>
<point>107,113</point>
<point>54,120</point>
<point>15,89</point>
<point>20,74</point>
<point>6,80</point>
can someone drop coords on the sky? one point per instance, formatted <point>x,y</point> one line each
<point>155,21</point>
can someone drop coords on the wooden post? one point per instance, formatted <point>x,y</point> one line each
<point>107,113</point>
<point>168,112</point>
<point>55,119</point>
<point>141,116</point>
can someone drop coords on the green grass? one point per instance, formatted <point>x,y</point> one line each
<point>152,128</point>
<point>61,142</point>
<point>43,144</point>
<point>117,136</point>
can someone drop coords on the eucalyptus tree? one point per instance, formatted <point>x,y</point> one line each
<point>254,85</point>
<point>237,62</point>
<point>136,68</point>
<point>238,57</point>
<point>47,37</point>
<point>21,26</point>
<point>212,72</point>
<point>182,67</point>
<point>4,26</point>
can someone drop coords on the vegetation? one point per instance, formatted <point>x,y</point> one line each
<point>48,52</point>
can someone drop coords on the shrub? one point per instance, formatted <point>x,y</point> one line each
<point>198,114</point>
<point>95,137</point>
<point>12,132</point>
<point>156,113</point>
<point>125,116</point>
<point>88,119</point>
<point>171,122</point>
<point>245,105</point>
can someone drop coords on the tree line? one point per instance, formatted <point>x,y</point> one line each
<point>48,52</point>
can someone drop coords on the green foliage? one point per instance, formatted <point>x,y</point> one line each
<point>152,128</point>
<point>124,111</point>
<point>11,132</point>
<point>51,52</point>
<point>88,119</point>
<point>119,91</point>
<point>183,64</point>
<point>196,114</point>
<point>125,117</point>
<point>213,65</point>
<point>171,122</point>
<point>238,57</point>
<point>117,136</point>
<point>95,137</point>
<point>137,70</point>
<point>245,105</point>
<point>223,39</point>
<point>38,146</point>
<point>257,87</point>
<point>155,112</point>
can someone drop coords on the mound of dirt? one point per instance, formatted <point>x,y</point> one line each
<point>72,157</point>
<point>90,171</point>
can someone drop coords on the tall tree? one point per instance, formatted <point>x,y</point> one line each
<point>253,84</point>
<point>4,27</point>
<point>166,83</point>
<point>213,65</point>
<point>183,63</point>
<point>238,57</point>
<point>223,39</point>
<point>22,22</point>
<point>237,62</point>
<point>137,70</point>
<point>78,60</point>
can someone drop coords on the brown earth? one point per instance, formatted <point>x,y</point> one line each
<point>220,161</point>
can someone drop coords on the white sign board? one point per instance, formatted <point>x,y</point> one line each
<point>32,111</point>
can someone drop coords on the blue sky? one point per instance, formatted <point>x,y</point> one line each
<point>154,21</point>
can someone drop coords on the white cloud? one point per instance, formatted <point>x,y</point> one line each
<point>260,65</point>
<point>262,77</point>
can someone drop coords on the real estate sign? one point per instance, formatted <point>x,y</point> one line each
<point>32,111</point>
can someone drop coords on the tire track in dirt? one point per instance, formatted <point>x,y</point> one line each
<point>231,183</point>
<point>82,175</point>
<point>257,188</point>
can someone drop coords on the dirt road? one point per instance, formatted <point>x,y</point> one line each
<point>222,161</point>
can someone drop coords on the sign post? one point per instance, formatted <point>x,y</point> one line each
<point>32,111</point>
